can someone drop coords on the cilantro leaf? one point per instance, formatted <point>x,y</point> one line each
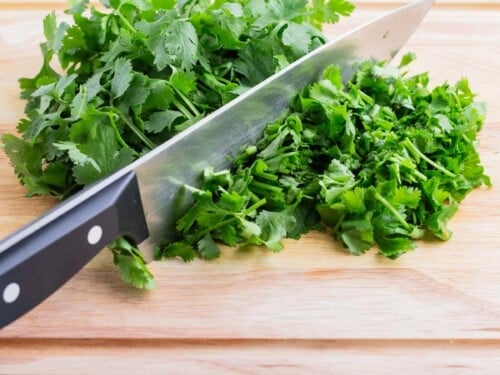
<point>357,235</point>
<point>275,226</point>
<point>54,33</point>
<point>171,41</point>
<point>177,249</point>
<point>329,11</point>
<point>159,121</point>
<point>208,248</point>
<point>131,264</point>
<point>94,160</point>
<point>122,77</point>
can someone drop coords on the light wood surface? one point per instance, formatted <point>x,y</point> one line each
<point>310,309</point>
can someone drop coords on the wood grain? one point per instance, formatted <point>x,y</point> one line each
<point>311,308</point>
<point>250,357</point>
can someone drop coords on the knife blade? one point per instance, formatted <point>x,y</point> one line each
<point>143,200</point>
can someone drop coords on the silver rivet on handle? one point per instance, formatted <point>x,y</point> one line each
<point>94,235</point>
<point>11,292</point>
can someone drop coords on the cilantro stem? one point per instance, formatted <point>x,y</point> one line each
<point>262,186</point>
<point>267,176</point>
<point>120,139</point>
<point>59,100</point>
<point>417,153</point>
<point>457,99</point>
<point>282,156</point>
<point>391,208</point>
<point>339,221</point>
<point>125,21</point>
<point>398,159</point>
<point>136,130</point>
<point>66,193</point>
<point>182,108</point>
<point>224,80</point>
<point>254,206</point>
<point>222,223</point>
<point>138,119</point>
<point>193,189</point>
<point>188,11</point>
<point>186,100</point>
<point>250,150</point>
<point>211,81</point>
<point>253,197</point>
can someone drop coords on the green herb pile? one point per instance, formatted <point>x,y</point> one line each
<point>141,71</point>
<point>382,161</point>
<point>116,82</point>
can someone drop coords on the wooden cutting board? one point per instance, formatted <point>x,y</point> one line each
<point>311,308</point>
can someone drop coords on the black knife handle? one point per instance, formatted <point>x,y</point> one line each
<point>38,264</point>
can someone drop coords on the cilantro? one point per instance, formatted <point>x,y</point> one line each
<point>131,76</point>
<point>121,78</point>
<point>131,264</point>
<point>381,161</point>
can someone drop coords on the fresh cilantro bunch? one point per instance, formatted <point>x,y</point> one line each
<point>122,78</point>
<point>140,71</point>
<point>382,161</point>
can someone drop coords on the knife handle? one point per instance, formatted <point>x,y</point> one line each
<point>37,264</point>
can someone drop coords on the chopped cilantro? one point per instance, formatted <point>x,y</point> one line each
<point>378,162</point>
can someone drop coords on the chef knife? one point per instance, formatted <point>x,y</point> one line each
<point>143,200</point>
